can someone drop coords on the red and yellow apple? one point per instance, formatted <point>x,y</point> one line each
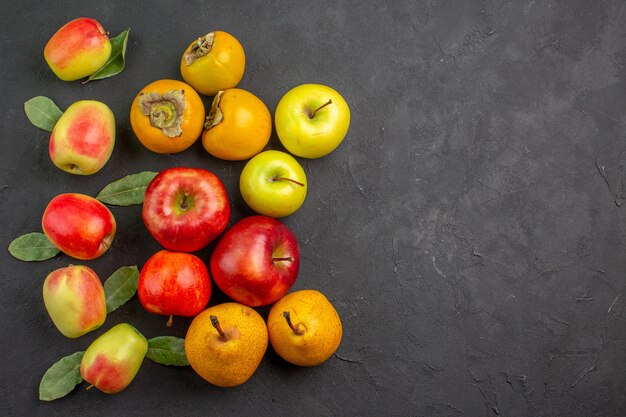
<point>80,48</point>
<point>256,261</point>
<point>312,120</point>
<point>74,299</point>
<point>174,284</point>
<point>79,225</point>
<point>185,208</point>
<point>111,362</point>
<point>83,138</point>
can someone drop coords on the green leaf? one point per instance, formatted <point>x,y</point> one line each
<point>120,287</point>
<point>167,350</point>
<point>61,378</point>
<point>115,64</point>
<point>33,247</point>
<point>42,112</point>
<point>126,191</point>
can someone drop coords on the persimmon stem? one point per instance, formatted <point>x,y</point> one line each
<point>312,115</point>
<point>216,323</point>
<point>288,259</point>
<point>288,179</point>
<point>299,330</point>
<point>170,321</point>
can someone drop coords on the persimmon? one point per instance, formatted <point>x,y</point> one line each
<point>213,62</point>
<point>238,125</point>
<point>167,116</point>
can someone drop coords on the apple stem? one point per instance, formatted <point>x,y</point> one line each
<point>312,115</point>
<point>299,330</point>
<point>288,179</point>
<point>288,259</point>
<point>170,321</point>
<point>89,387</point>
<point>215,322</point>
<point>183,202</point>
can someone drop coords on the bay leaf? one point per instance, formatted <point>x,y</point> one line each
<point>116,61</point>
<point>33,247</point>
<point>126,191</point>
<point>61,378</point>
<point>120,287</point>
<point>167,350</point>
<point>42,112</point>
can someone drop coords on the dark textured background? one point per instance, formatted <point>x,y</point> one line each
<point>463,229</point>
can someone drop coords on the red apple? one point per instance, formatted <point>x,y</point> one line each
<point>174,284</point>
<point>257,261</point>
<point>185,208</point>
<point>80,48</point>
<point>79,225</point>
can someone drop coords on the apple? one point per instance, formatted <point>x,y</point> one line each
<point>273,184</point>
<point>79,225</point>
<point>80,48</point>
<point>174,283</point>
<point>74,299</point>
<point>112,360</point>
<point>311,120</point>
<point>83,138</point>
<point>185,208</point>
<point>256,261</point>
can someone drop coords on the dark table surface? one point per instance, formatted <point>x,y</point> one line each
<point>469,230</point>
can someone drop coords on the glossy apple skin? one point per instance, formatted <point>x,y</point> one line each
<point>82,140</point>
<point>185,208</point>
<point>79,225</point>
<point>174,283</point>
<point>74,299</point>
<point>78,49</point>
<point>111,362</point>
<point>311,137</point>
<point>264,188</point>
<point>243,266</point>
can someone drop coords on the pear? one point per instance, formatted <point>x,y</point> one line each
<point>304,328</point>
<point>225,344</point>
<point>111,362</point>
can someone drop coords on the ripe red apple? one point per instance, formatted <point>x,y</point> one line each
<point>257,261</point>
<point>174,284</point>
<point>185,208</point>
<point>79,225</point>
<point>83,138</point>
<point>80,48</point>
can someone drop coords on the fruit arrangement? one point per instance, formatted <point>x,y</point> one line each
<point>255,261</point>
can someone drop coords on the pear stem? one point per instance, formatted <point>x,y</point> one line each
<point>89,387</point>
<point>296,329</point>
<point>288,179</point>
<point>170,321</point>
<point>312,115</point>
<point>288,259</point>
<point>215,322</point>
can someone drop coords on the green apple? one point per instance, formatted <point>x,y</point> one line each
<point>273,184</point>
<point>311,120</point>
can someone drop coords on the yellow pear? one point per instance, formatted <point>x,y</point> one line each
<point>304,328</point>
<point>225,344</point>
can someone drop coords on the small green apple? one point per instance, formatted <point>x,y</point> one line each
<point>311,120</point>
<point>273,184</point>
